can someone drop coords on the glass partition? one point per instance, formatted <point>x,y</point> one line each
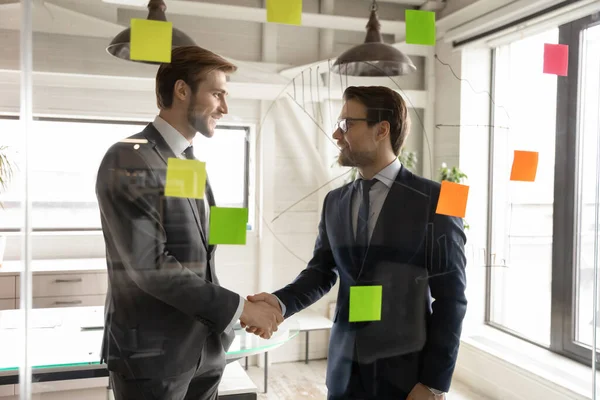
<point>69,239</point>
<point>15,239</point>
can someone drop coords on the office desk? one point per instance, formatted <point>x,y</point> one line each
<point>65,343</point>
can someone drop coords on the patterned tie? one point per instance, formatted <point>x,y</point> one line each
<point>362,224</point>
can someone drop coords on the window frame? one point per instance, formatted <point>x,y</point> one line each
<point>69,230</point>
<point>565,208</point>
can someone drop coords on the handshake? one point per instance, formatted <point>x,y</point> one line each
<point>261,315</point>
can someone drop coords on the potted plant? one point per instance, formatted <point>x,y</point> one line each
<point>453,174</point>
<point>6,174</point>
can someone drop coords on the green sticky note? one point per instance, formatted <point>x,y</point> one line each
<point>365,303</point>
<point>420,27</point>
<point>151,40</point>
<point>227,225</point>
<point>185,178</point>
<point>284,11</point>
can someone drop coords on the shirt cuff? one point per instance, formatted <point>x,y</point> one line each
<point>236,316</point>
<point>281,305</point>
<point>435,391</point>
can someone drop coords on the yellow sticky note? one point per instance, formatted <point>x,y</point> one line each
<point>284,11</point>
<point>524,166</point>
<point>453,199</point>
<point>151,40</point>
<point>365,303</point>
<point>185,178</point>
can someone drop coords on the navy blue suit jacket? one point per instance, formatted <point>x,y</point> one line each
<point>418,258</point>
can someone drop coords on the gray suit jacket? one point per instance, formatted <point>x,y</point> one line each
<point>160,306</point>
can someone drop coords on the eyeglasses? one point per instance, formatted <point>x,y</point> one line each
<point>342,124</point>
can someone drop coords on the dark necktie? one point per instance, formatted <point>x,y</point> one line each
<point>189,154</point>
<point>362,223</point>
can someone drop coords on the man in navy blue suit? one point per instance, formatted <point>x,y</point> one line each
<point>381,233</point>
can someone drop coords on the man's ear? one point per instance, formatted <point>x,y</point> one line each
<point>181,90</point>
<point>384,130</point>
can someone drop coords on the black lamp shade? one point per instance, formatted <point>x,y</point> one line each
<point>120,45</point>
<point>373,59</point>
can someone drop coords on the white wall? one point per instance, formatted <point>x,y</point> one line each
<point>461,139</point>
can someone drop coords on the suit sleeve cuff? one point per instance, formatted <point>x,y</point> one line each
<point>236,316</point>
<point>281,305</point>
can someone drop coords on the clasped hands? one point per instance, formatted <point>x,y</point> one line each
<point>261,315</point>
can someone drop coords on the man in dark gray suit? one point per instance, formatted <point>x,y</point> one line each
<point>383,230</point>
<point>168,321</point>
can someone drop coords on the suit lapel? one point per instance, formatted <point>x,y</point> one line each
<point>211,202</point>
<point>344,211</point>
<point>211,247</point>
<point>345,229</point>
<point>164,152</point>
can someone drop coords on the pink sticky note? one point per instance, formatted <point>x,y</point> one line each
<point>556,59</point>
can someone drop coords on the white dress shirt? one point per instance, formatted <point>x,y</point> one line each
<point>377,195</point>
<point>178,144</point>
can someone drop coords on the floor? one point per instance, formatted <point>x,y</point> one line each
<point>297,381</point>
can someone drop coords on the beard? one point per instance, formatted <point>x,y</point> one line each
<point>198,122</point>
<point>348,158</point>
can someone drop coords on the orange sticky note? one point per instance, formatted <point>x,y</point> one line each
<point>453,199</point>
<point>524,166</point>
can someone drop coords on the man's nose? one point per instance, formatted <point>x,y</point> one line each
<point>224,107</point>
<point>337,134</point>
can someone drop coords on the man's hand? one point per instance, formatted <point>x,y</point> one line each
<point>267,298</point>
<point>422,392</point>
<point>261,315</point>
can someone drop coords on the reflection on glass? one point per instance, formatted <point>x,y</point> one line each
<point>589,131</point>
<point>521,253</point>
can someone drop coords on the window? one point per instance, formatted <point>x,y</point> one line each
<point>581,130</point>
<point>227,168</point>
<point>64,158</point>
<point>525,119</point>
<point>588,185</point>
<point>544,234</point>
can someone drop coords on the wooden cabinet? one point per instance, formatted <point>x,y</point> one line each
<point>69,301</point>
<point>8,288</point>
<point>67,284</point>
<point>8,304</point>
<point>57,283</point>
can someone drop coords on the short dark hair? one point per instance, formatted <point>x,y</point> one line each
<point>383,104</point>
<point>191,64</point>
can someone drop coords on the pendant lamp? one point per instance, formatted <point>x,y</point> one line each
<point>373,57</point>
<point>120,45</point>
